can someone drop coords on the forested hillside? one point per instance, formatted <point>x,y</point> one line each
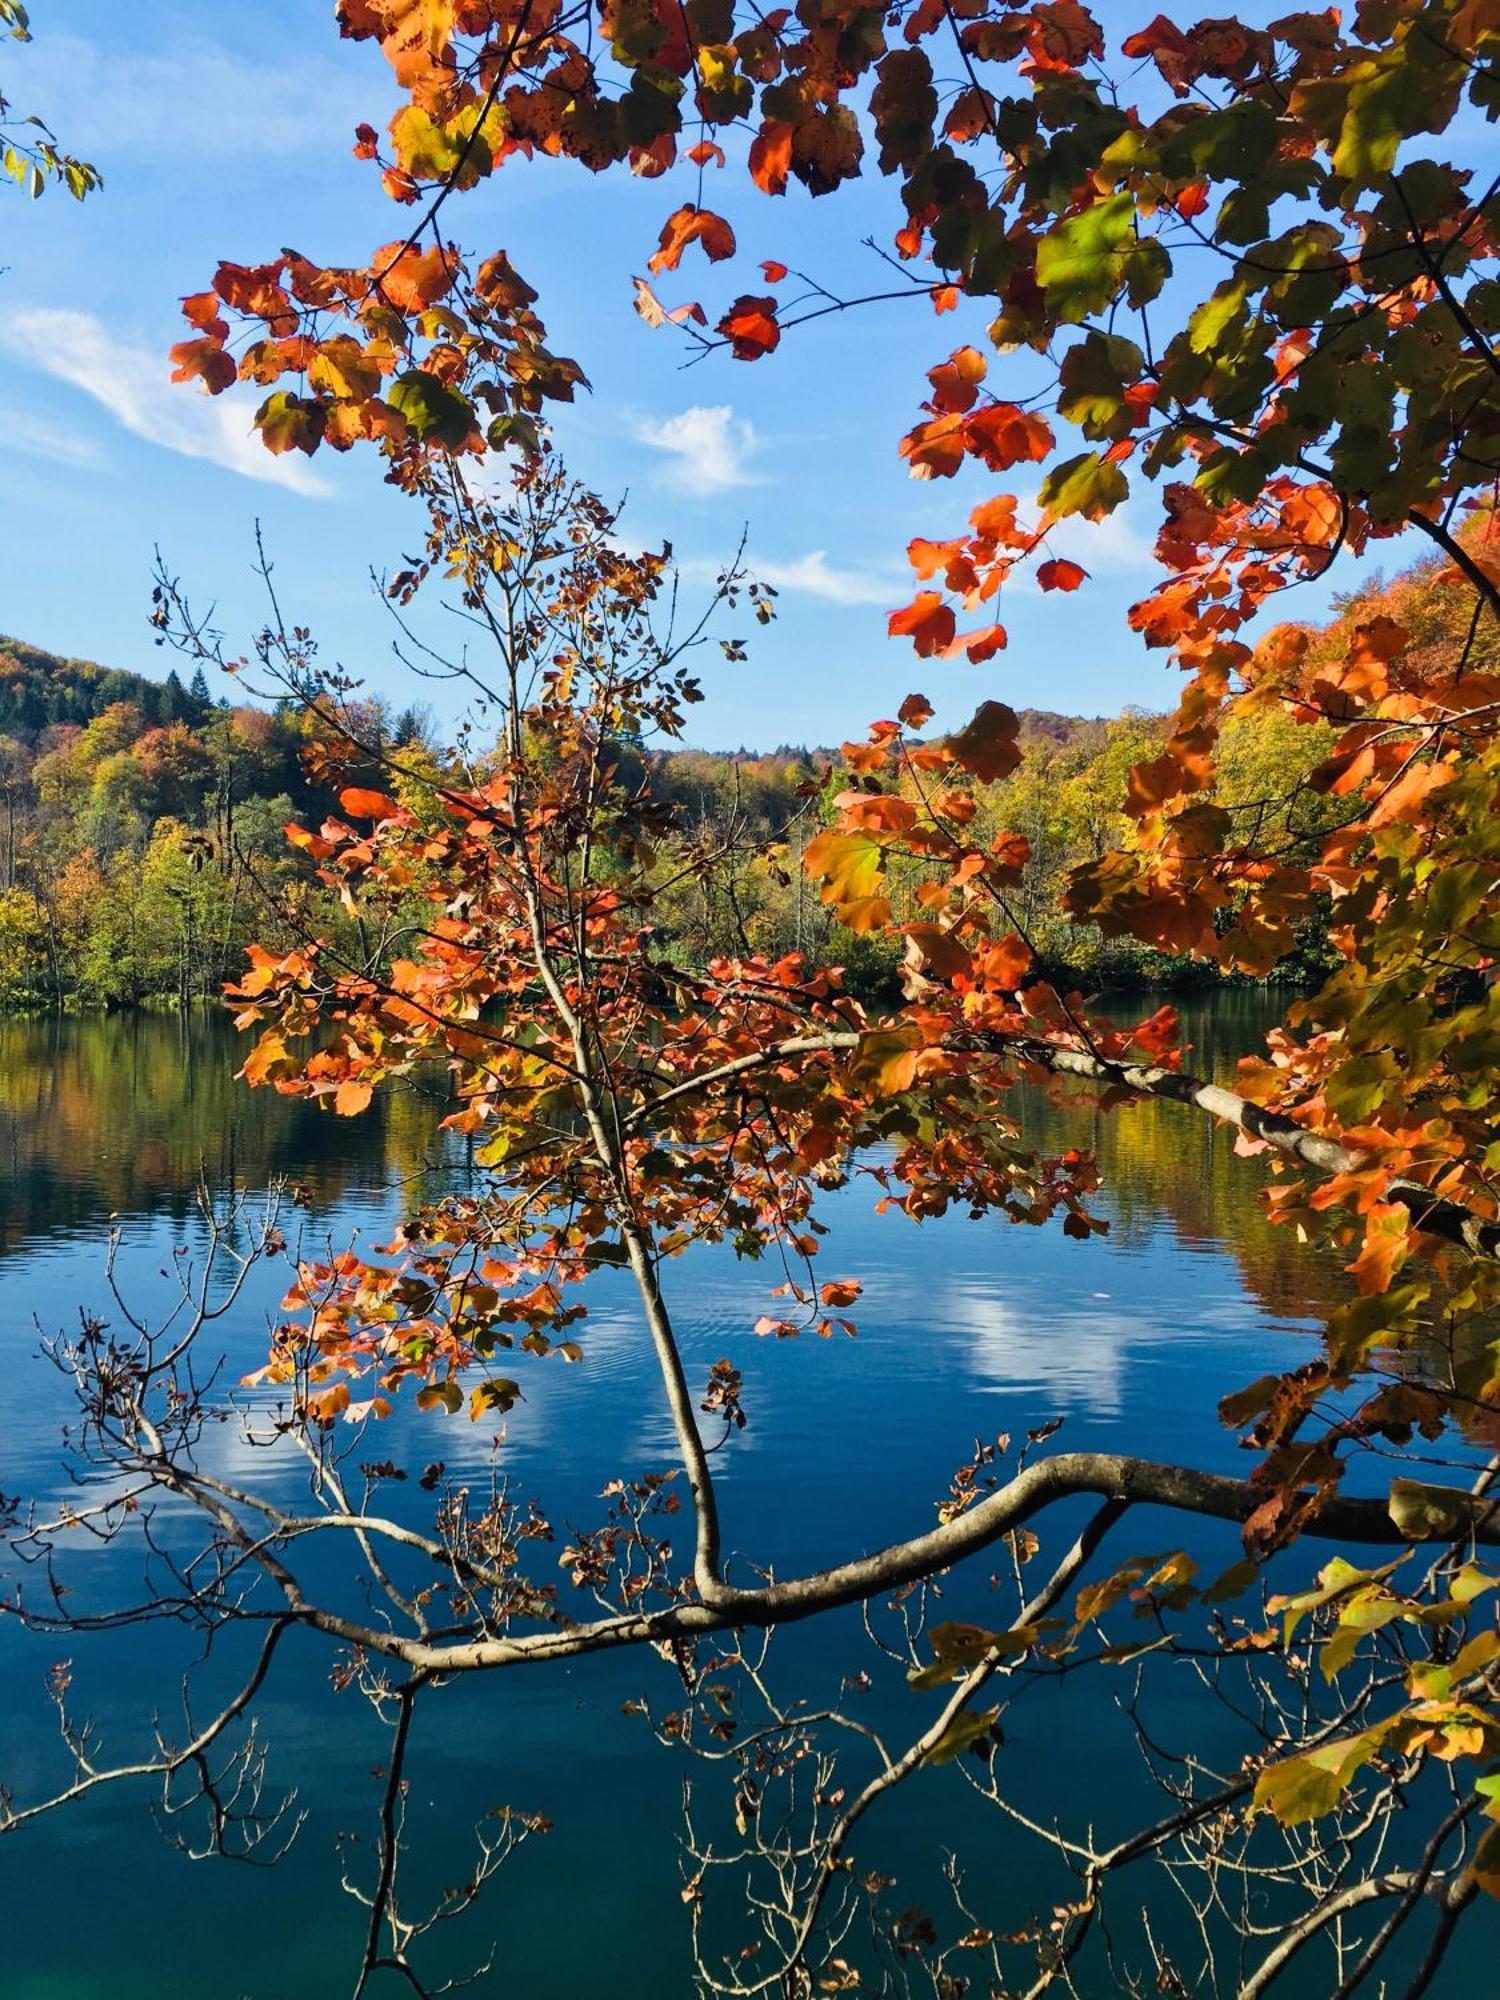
<point>136,819</point>
<point>142,826</point>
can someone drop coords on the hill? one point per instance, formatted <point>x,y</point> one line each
<point>39,689</point>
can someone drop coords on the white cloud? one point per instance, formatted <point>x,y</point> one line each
<point>134,384</point>
<point>1114,546</point>
<point>813,575</point>
<point>195,99</point>
<point>707,447</point>
<point>40,439</point>
<point>1068,1359</point>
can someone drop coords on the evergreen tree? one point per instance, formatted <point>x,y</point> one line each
<point>173,703</point>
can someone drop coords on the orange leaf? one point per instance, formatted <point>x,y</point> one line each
<point>935,450</point>
<point>1152,784</point>
<point>1384,1248</point>
<point>927,621</point>
<point>208,360</point>
<point>690,224</point>
<point>929,946</point>
<point>955,382</point>
<point>877,813</point>
<point>1004,964</point>
<point>202,311</point>
<point>412,279</point>
<point>367,805</point>
<point>1409,791</point>
<point>771,158</point>
<point>1060,574</point>
<point>995,520</point>
<point>928,558</point>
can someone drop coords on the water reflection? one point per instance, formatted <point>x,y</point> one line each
<point>120,1115</point>
<point>964,1330</point>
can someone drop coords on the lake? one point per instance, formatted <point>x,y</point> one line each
<point>966,1331</point>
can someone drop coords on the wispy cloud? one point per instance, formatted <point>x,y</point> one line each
<point>813,575</point>
<point>37,438</point>
<point>706,448</point>
<point>194,98</point>
<point>1119,544</point>
<point>134,384</point>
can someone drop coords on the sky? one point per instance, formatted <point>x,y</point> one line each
<point>226,132</point>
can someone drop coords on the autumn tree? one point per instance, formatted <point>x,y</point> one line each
<point>1221,264</point>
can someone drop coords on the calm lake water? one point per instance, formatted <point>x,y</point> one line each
<point>966,1330</point>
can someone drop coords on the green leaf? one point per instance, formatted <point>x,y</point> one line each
<point>1335,1580</point>
<point>1090,485</point>
<point>1375,118</point>
<point>431,408</point>
<point>962,1733</point>
<point>1208,324</point>
<point>288,422</point>
<point>1231,475</point>
<point>606,1250</point>
<point>1303,1788</point>
<point>441,1395</point>
<point>1094,377</point>
<point>1427,1513</point>
<point>517,431</point>
<point>1080,264</point>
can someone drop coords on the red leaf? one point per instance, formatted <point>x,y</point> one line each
<point>987,746</point>
<point>1060,574</point>
<point>1003,436</point>
<point>982,646</point>
<point>751,327</point>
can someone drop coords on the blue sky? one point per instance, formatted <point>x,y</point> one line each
<point>225,131</point>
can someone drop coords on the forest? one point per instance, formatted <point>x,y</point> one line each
<point>145,826</point>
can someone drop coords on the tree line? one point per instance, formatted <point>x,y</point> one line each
<point>142,826</point>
